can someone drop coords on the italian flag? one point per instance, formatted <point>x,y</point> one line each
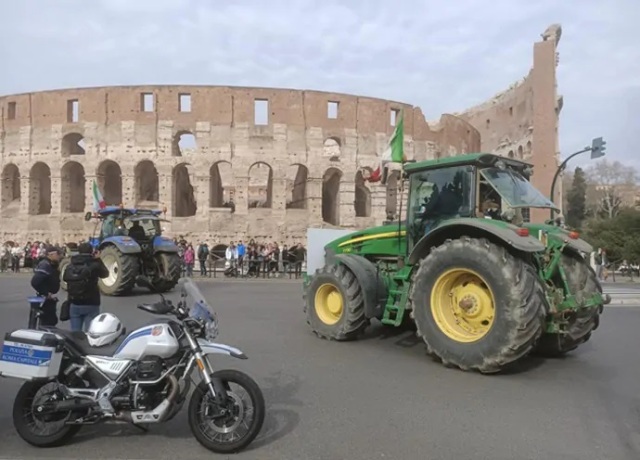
<point>98,200</point>
<point>393,154</point>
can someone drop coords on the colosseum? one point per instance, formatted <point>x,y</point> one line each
<point>229,162</point>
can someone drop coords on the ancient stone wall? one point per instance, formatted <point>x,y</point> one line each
<point>522,122</point>
<point>286,159</point>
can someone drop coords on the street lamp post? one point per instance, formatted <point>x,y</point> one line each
<point>597,151</point>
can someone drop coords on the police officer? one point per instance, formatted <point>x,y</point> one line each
<point>46,282</point>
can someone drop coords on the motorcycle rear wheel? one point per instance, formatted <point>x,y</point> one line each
<point>41,431</point>
<point>212,425</point>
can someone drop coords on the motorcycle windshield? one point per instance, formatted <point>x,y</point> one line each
<point>200,308</point>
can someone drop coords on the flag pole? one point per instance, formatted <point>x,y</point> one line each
<point>401,199</point>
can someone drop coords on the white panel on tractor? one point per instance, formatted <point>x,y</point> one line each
<point>317,238</point>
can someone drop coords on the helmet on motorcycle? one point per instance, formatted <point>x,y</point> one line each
<point>104,330</point>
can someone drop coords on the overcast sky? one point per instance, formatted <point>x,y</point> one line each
<point>441,56</point>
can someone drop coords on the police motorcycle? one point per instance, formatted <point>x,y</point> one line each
<point>75,379</point>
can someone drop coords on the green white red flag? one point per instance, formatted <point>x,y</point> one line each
<point>394,153</point>
<point>98,200</point>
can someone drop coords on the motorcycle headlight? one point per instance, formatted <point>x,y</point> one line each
<point>211,330</point>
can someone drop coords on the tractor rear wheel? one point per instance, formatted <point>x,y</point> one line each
<point>583,283</point>
<point>476,306</point>
<point>123,270</point>
<point>334,304</point>
<point>170,269</point>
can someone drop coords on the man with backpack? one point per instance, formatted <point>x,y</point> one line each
<point>81,276</point>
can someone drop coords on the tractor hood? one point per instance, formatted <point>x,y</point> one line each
<point>387,235</point>
<point>559,235</point>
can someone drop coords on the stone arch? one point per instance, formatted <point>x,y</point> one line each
<point>11,187</point>
<point>147,183</point>
<point>332,147</point>
<point>184,142</point>
<point>528,149</point>
<point>221,189</point>
<point>110,182</point>
<point>260,185</point>
<point>510,154</point>
<point>331,196</point>
<point>73,187</point>
<point>40,189</point>
<point>72,144</point>
<point>362,202</point>
<point>391,207</point>
<point>520,152</point>
<point>297,186</point>
<point>183,197</point>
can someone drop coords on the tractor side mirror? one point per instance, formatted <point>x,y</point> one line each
<point>87,217</point>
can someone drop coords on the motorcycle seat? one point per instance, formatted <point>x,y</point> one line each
<point>79,341</point>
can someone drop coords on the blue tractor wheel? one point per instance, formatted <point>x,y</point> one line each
<point>123,270</point>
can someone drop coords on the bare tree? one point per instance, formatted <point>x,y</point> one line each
<point>611,186</point>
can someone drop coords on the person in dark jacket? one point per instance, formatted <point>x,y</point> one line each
<point>83,310</point>
<point>46,282</point>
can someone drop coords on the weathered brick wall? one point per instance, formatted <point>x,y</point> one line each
<point>55,147</point>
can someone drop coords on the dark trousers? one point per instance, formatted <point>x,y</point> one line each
<point>203,267</point>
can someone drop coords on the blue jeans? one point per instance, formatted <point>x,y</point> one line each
<point>81,316</point>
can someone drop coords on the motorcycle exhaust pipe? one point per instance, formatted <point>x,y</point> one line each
<point>65,406</point>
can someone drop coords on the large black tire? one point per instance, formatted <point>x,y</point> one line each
<point>64,263</point>
<point>349,320</point>
<point>25,422</point>
<point>123,270</point>
<point>170,269</point>
<point>257,400</point>
<point>583,282</point>
<point>516,305</point>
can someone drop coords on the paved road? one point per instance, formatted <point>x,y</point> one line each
<point>380,397</point>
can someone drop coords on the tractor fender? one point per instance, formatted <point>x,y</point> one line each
<point>579,245</point>
<point>373,287</point>
<point>164,244</point>
<point>125,244</point>
<point>474,228</point>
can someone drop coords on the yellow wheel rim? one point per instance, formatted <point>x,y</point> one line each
<point>329,304</point>
<point>462,305</point>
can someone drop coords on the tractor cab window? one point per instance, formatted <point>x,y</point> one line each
<point>112,225</point>
<point>504,193</point>
<point>140,229</point>
<point>438,195</point>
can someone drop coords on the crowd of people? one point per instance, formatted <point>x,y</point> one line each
<point>250,259</point>
<point>13,256</point>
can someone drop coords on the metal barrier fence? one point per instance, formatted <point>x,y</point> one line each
<point>219,267</point>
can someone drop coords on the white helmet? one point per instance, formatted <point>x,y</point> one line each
<point>104,330</point>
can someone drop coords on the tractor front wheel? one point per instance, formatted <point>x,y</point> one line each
<point>583,284</point>
<point>334,304</point>
<point>476,306</point>
<point>123,270</point>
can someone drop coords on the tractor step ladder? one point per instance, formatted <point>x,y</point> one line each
<point>394,313</point>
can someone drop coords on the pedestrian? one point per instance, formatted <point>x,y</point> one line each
<point>81,276</point>
<point>189,259</point>
<point>46,282</point>
<point>203,254</point>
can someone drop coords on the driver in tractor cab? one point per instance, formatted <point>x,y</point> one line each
<point>136,231</point>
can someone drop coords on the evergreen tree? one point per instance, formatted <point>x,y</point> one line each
<point>577,199</point>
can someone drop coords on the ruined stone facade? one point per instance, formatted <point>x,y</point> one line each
<point>286,159</point>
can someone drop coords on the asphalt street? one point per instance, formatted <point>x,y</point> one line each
<point>380,397</point>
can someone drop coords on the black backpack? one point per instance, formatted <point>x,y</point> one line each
<point>78,279</point>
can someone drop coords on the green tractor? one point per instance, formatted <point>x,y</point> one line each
<point>482,287</point>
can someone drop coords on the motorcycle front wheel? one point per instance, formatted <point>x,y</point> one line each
<point>232,426</point>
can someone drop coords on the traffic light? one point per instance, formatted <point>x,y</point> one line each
<point>597,148</point>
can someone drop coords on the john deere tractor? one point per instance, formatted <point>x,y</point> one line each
<point>483,287</point>
<point>130,242</point>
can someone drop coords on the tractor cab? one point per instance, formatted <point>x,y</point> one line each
<point>470,186</point>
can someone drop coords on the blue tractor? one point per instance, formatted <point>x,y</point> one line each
<point>130,242</point>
